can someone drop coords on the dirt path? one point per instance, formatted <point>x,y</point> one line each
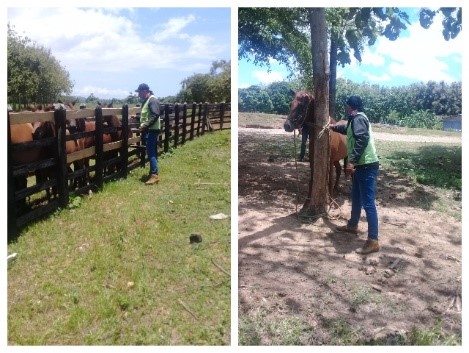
<point>289,269</point>
<point>378,135</point>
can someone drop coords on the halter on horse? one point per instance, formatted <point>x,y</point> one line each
<point>298,111</point>
<point>301,111</point>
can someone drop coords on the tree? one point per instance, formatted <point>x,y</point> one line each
<point>255,99</point>
<point>212,87</point>
<point>281,34</point>
<point>452,22</point>
<point>34,75</point>
<point>351,30</point>
<point>91,98</point>
<point>319,143</point>
<point>276,33</point>
<point>279,93</point>
<point>132,98</point>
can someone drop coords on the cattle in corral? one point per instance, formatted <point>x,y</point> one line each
<point>302,110</point>
<point>19,134</point>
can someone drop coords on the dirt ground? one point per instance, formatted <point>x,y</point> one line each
<point>289,267</point>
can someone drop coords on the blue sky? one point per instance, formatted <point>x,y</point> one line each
<point>109,51</point>
<point>419,55</point>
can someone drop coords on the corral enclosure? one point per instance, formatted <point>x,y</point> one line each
<point>39,187</point>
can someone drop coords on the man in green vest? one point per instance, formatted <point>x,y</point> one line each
<point>150,127</point>
<point>363,165</point>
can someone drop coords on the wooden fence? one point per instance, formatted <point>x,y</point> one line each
<point>40,197</point>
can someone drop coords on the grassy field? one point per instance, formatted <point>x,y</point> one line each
<point>117,267</point>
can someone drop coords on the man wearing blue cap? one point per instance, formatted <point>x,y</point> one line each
<point>363,164</point>
<point>150,127</point>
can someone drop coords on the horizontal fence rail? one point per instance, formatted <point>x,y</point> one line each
<point>43,172</point>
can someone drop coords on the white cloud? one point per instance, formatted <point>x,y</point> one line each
<point>105,41</point>
<point>172,29</point>
<point>100,92</point>
<point>266,77</point>
<point>420,56</point>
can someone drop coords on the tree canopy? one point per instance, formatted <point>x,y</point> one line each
<point>283,34</point>
<point>393,105</point>
<point>214,86</point>
<point>34,75</point>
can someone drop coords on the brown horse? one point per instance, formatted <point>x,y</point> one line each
<point>302,110</point>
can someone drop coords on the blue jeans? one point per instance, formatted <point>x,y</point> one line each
<point>151,141</point>
<point>363,195</point>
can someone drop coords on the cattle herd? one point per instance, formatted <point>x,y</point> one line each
<point>33,152</point>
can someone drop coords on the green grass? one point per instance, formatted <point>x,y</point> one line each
<point>254,329</point>
<point>433,165</point>
<point>414,131</point>
<point>433,336</point>
<point>118,268</point>
<point>259,328</point>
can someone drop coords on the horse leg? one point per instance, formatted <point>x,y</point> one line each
<point>331,180</point>
<point>345,167</point>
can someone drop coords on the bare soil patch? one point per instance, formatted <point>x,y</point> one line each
<point>292,269</point>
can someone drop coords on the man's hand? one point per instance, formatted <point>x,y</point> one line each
<point>143,127</point>
<point>349,169</point>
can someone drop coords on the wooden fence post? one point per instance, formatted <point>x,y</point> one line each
<point>184,122</point>
<point>11,209</point>
<point>124,152</point>
<point>60,117</point>
<point>199,121</point>
<point>222,115</point>
<point>205,118</point>
<point>194,108</point>
<point>176,124</point>
<point>99,168</point>
<point>167,128</point>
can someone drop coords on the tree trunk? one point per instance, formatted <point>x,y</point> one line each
<point>316,204</point>
<point>333,79</point>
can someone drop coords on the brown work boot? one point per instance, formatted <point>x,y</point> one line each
<point>145,178</point>
<point>348,229</point>
<point>154,179</point>
<point>370,246</point>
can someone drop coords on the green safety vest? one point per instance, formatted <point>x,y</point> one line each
<point>369,155</point>
<point>145,116</point>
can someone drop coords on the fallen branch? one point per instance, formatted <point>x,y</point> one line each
<point>187,309</point>
<point>395,224</point>
<point>220,268</point>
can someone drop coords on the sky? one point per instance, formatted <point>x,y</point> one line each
<point>110,51</point>
<point>418,55</point>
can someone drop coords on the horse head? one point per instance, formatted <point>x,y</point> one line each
<point>298,110</point>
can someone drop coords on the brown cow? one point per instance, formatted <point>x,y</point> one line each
<point>22,133</point>
<point>301,110</point>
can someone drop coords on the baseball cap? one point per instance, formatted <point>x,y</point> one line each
<point>354,102</point>
<point>142,87</point>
